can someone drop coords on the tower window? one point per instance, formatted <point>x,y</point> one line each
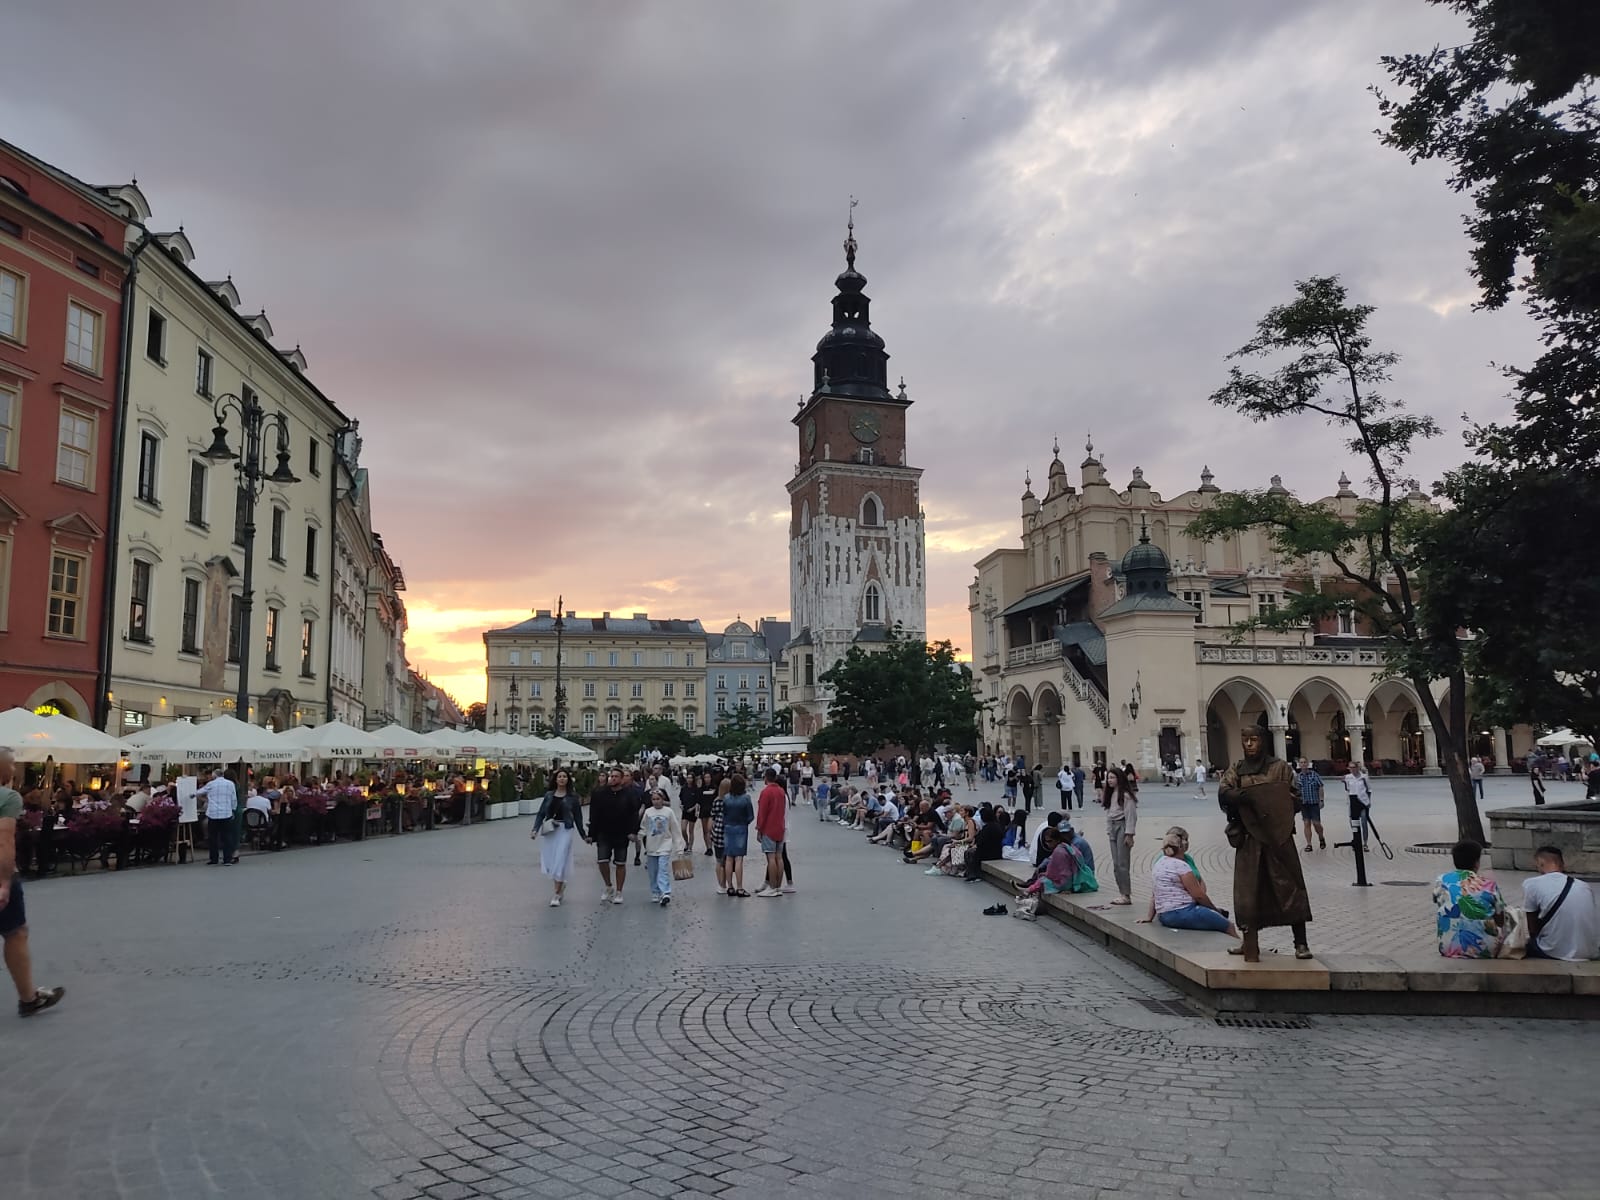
<point>872,605</point>
<point>871,511</point>
<point>864,455</point>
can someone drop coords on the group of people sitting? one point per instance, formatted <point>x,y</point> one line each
<point>929,827</point>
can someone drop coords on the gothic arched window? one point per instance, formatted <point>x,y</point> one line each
<point>871,511</point>
<point>872,605</point>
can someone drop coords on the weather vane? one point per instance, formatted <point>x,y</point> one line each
<point>850,237</point>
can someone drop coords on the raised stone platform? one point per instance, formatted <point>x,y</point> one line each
<point>1198,963</point>
<point>1574,828</point>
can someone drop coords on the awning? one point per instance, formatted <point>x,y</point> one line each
<point>1087,637</point>
<point>1047,597</point>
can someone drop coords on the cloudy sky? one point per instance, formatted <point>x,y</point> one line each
<point>567,262</point>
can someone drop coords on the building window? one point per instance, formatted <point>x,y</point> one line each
<point>722,704</point>
<point>272,639</point>
<point>783,691</point>
<point>688,720</point>
<point>761,683</point>
<point>688,691</point>
<point>722,681</point>
<point>688,659</point>
<point>536,658</point>
<point>67,573</point>
<point>314,456</point>
<point>637,691</point>
<point>871,511</point>
<point>149,463</point>
<point>638,658</point>
<point>308,629</point>
<point>1347,622</point>
<point>1268,602</point>
<point>10,408</point>
<point>588,691</point>
<point>614,722</point>
<point>588,658</point>
<point>668,658</point>
<point>740,650</point>
<point>872,606</point>
<point>92,270</point>
<point>588,722</point>
<point>235,626</point>
<point>139,602</point>
<point>155,338</point>
<point>667,691</point>
<point>83,337</point>
<point>613,690</point>
<point>11,297</point>
<point>809,671</point>
<point>190,635</point>
<point>613,659</point>
<point>744,683</point>
<point>202,373</point>
<point>535,690</point>
<point>311,551</point>
<point>1198,599</point>
<point>514,657</point>
<point>75,452</point>
<point>761,704</point>
<point>865,456</point>
<point>197,493</point>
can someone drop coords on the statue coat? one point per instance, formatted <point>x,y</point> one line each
<point>1269,887</point>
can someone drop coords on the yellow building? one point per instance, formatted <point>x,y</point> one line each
<point>612,669</point>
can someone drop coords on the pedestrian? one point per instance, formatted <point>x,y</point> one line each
<point>560,812</point>
<point>820,798</point>
<point>13,913</point>
<point>1360,793</point>
<point>222,799</point>
<point>1310,786</point>
<point>658,829</point>
<point>737,814</point>
<point>1475,773</point>
<point>1122,818</point>
<point>716,838</point>
<point>1536,778</point>
<point>689,809</point>
<point>1066,786</point>
<point>613,823</point>
<point>771,826</point>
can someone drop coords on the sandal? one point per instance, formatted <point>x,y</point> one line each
<point>1119,900</point>
<point>742,894</point>
<point>730,891</point>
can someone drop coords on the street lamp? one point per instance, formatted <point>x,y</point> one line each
<point>1134,698</point>
<point>560,714</point>
<point>253,420</point>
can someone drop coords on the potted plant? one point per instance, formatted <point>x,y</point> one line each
<point>157,820</point>
<point>306,810</point>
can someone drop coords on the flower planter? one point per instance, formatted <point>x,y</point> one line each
<point>526,807</point>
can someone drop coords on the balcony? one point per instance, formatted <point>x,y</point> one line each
<point>1039,652</point>
<point>1310,656</point>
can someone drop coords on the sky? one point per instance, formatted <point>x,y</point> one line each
<point>567,263</point>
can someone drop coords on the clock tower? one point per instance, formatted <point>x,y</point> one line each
<point>856,564</point>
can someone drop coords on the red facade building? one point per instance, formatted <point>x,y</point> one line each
<point>62,271</point>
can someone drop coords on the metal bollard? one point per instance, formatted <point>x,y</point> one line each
<point>1355,844</point>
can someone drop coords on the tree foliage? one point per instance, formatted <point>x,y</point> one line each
<point>1325,365</point>
<point>1513,111</point>
<point>477,716</point>
<point>651,733</point>
<point>740,730</point>
<point>908,693</point>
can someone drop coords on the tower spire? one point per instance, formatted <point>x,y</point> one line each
<point>850,238</point>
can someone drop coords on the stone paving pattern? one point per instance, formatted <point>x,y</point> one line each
<point>406,1018</point>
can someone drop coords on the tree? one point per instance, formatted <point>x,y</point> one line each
<point>909,693</point>
<point>477,715</point>
<point>651,733</point>
<point>1335,373</point>
<point>739,731</point>
<point>782,723</point>
<point>1513,111</point>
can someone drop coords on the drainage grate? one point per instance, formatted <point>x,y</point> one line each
<point>1165,1008</point>
<point>1237,1021</point>
<point>1402,883</point>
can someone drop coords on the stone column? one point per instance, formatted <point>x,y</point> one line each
<point>1358,742</point>
<point>1280,739</point>
<point>1036,756</point>
<point>1502,751</point>
<point>1430,751</point>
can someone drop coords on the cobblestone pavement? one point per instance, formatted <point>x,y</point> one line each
<point>407,1018</point>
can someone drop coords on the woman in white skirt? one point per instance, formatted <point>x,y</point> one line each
<point>560,813</point>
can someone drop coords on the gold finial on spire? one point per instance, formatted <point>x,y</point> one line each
<point>850,238</point>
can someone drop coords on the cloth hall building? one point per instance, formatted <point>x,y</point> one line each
<point>1105,635</point>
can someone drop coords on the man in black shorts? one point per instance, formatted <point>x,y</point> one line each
<point>613,823</point>
<point>13,915</point>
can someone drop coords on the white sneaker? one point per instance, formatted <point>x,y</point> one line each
<point>555,901</point>
<point>768,893</point>
<point>606,897</point>
<point>616,898</point>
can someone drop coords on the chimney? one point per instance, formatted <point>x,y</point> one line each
<point>542,612</point>
<point>605,616</point>
<point>572,614</point>
<point>641,616</point>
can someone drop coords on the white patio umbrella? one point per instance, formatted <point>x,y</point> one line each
<point>571,751</point>
<point>457,743</point>
<point>35,738</point>
<point>332,740</point>
<point>396,741</point>
<point>1564,737</point>
<point>159,737</point>
<point>223,739</point>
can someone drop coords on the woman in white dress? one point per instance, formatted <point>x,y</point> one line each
<point>560,813</point>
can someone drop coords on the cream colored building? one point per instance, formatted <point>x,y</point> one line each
<point>612,669</point>
<point>1105,635</point>
<point>175,638</point>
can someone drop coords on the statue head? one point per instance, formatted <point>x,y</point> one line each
<point>1251,742</point>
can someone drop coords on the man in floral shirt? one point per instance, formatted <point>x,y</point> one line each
<point>13,916</point>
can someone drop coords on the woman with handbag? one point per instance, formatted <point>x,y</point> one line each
<point>560,812</point>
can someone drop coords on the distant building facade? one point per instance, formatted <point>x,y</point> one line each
<point>742,668</point>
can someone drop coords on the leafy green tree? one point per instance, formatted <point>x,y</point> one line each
<point>782,723</point>
<point>1327,367</point>
<point>739,731</point>
<point>646,732</point>
<point>476,715</point>
<point>909,693</point>
<point>834,739</point>
<point>1513,111</point>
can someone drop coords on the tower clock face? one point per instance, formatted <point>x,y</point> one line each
<point>811,433</point>
<point>865,425</point>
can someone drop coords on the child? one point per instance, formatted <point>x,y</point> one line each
<point>821,794</point>
<point>658,829</point>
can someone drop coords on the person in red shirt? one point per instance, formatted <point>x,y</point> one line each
<point>771,810</point>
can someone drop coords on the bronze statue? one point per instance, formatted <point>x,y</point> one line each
<point>1257,794</point>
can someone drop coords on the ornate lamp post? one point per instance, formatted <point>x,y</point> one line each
<point>560,713</point>
<point>253,420</point>
<point>511,694</point>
